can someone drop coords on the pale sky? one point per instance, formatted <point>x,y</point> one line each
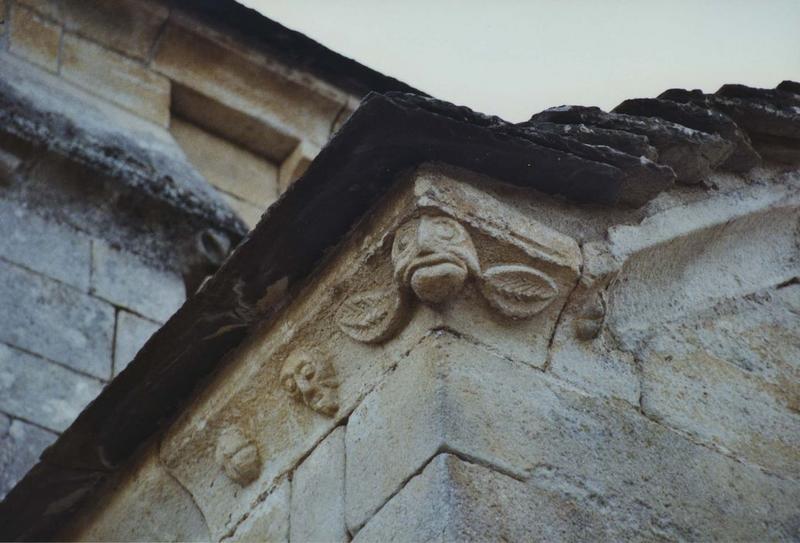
<point>513,58</point>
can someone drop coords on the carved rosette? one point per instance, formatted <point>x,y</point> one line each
<point>238,456</point>
<point>309,377</point>
<point>433,258</point>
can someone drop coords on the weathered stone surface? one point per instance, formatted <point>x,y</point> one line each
<point>268,521</point>
<point>34,38</point>
<point>109,144</point>
<point>55,321</point>
<point>131,334</point>
<point>126,280</point>
<point>769,116</point>
<point>116,78</point>
<point>581,353</point>
<point>627,142</point>
<point>789,86</point>
<point>3,22</point>
<point>692,154</point>
<point>128,513</point>
<point>743,157</point>
<point>226,166</point>
<point>596,458</point>
<point>128,26</point>
<point>690,256</point>
<point>49,8</point>
<point>730,377</point>
<point>639,173</point>
<point>318,493</point>
<point>42,392</point>
<point>50,248</point>
<point>20,445</point>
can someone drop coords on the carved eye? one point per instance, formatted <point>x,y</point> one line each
<point>307,371</point>
<point>445,230</point>
<point>402,240</point>
<point>289,384</point>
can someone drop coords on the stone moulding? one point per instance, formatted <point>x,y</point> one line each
<point>433,258</point>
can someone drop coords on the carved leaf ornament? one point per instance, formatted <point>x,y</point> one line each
<point>517,291</point>
<point>372,316</point>
<point>427,253</point>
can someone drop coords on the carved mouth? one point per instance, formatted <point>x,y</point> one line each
<point>431,260</point>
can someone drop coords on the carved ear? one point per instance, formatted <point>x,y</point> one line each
<point>517,291</point>
<point>373,316</point>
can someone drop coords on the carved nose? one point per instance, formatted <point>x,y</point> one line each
<point>426,243</point>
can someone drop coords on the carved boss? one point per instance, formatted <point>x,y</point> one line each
<point>238,456</point>
<point>434,257</point>
<point>309,377</point>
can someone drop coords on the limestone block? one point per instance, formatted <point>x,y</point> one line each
<point>599,457</point>
<point>34,38</point>
<point>296,164</point>
<point>691,256</point>
<point>20,446</point>
<point>131,334</point>
<point>287,107</point>
<point>730,377</point>
<point>53,320</point>
<point>49,8</point>
<point>318,493</point>
<point>248,212</point>
<point>146,506</point>
<point>226,166</point>
<point>126,280</point>
<point>116,78</point>
<point>42,392</point>
<point>581,352</point>
<point>454,500</point>
<point>268,521</point>
<point>50,248</point>
<point>127,26</point>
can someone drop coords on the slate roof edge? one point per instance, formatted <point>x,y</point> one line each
<point>387,135</point>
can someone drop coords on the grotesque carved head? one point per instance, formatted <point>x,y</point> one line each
<point>238,456</point>
<point>309,377</point>
<point>433,255</point>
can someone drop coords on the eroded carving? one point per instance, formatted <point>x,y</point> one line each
<point>518,291</point>
<point>309,376</point>
<point>238,456</point>
<point>434,257</point>
<point>590,319</point>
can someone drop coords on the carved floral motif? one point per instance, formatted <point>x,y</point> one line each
<point>238,456</point>
<point>309,376</point>
<point>433,258</point>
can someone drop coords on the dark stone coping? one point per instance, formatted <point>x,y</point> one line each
<point>386,136</point>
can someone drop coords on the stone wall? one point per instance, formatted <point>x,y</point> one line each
<point>118,115</point>
<point>552,371</point>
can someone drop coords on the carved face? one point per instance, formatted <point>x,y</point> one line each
<point>238,456</point>
<point>433,255</point>
<point>309,377</point>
